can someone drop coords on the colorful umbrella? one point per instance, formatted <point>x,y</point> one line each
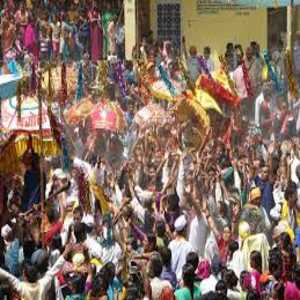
<point>29,119</point>
<point>24,132</point>
<point>79,111</point>
<point>107,115</point>
<point>151,114</point>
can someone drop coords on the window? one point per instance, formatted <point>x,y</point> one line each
<point>169,23</point>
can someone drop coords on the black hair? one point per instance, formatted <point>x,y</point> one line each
<point>99,286</point>
<point>56,243</point>
<point>285,240</point>
<point>188,277</point>
<point>297,275</point>
<point>230,279</point>
<point>192,259</point>
<point>31,272</point>
<point>276,265</point>
<point>109,270</point>
<point>290,190</point>
<point>232,247</point>
<point>279,290</point>
<point>253,295</point>
<point>160,228</point>
<point>256,261</point>
<point>80,232</point>
<point>221,287</point>
<point>156,265</point>
<point>52,214</point>
<point>77,283</point>
<point>166,256</point>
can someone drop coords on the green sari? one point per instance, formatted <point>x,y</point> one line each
<point>185,294</point>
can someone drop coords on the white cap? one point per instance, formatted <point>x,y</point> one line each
<point>180,223</point>
<point>5,231</point>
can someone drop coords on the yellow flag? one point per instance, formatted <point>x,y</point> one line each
<point>207,102</point>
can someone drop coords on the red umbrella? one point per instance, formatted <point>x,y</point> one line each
<point>109,116</point>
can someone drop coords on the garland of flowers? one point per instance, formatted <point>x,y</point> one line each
<point>247,80</point>
<point>79,89</point>
<point>203,66</point>
<point>272,73</point>
<point>225,68</point>
<point>165,77</point>
<point>292,84</point>
<point>56,128</point>
<point>217,91</point>
<point>119,69</point>
<point>22,89</point>
<point>83,190</point>
<point>66,161</point>
<point>186,76</point>
<point>33,81</point>
<point>102,73</point>
<point>50,86</point>
<point>64,87</point>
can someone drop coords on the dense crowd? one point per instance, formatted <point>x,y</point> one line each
<point>162,211</point>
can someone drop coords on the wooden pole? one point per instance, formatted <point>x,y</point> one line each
<point>290,27</point>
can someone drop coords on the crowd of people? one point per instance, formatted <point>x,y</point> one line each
<point>162,211</point>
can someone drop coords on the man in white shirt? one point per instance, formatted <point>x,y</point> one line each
<point>179,246</point>
<point>209,62</point>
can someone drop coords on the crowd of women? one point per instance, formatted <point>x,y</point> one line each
<point>165,210</point>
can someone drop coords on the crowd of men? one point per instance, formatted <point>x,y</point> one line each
<point>151,213</point>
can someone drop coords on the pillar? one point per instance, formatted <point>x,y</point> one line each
<point>131,32</point>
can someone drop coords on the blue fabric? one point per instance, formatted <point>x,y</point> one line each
<point>12,258</point>
<point>31,192</point>
<point>9,89</point>
<point>297,236</point>
<point>115,286</point>
<point>266,188</point>
<point>169,275</point>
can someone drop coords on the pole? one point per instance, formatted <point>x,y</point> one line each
<point>290,27</point>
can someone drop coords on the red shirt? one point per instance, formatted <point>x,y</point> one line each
<point>52,231</point>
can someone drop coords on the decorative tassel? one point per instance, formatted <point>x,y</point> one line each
<point>292,84</point>
<point>66,161</point>
<point>203,66</point>
<point>19,99</point>
<point>247,80</point>
<point>64,87</point>
<point>33,82</point>
<point>83,191</point>
<point>271,72</point>
<point>102,73</point>
<point>119,73</point>
<point>56,128</point>
<point>225,68</point>
<point>165,77</point>
<point>217,91</point>
<point>79,89</point>
<point>50,86</point>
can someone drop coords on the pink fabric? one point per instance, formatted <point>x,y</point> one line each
<point>255,276</point>
<point>238,77</point>
<point>96,36</point>
<point>204,270</point>
<point>291,291</point>
<point>30,42</point>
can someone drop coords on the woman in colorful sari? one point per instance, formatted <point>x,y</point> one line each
<point>8,30</point>
<point>106,18</point>
<point>30,41</point>
<point>21,17</point>
<point>96,34</point>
